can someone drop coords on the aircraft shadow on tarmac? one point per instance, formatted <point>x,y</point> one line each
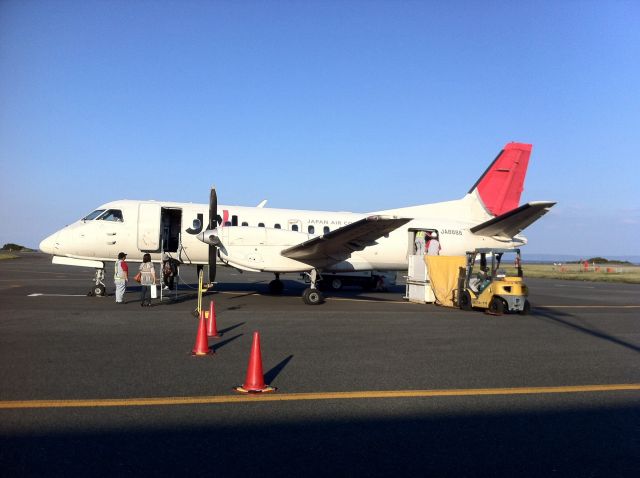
<point>560,319</point>
<point>187,292</point>
<point>575,441</point>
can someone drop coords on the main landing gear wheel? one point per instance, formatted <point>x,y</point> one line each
<point>276,287</point>
<point>312,297</point>
<point>496,306</point>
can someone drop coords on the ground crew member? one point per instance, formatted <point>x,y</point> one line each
<point>120,277</point>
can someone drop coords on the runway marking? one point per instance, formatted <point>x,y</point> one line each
<point>386,301</point>
<point>35,279</point>
<point>346,299</point>
<point>237,292</point>
<point>284,397</point>
<point>590,306</point>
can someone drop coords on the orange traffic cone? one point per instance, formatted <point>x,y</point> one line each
<point>254,383</point>
<point>212,328</point>
<point>202,346</point>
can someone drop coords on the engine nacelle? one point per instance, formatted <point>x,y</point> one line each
<point>258,248</point>
<point>210,236</point>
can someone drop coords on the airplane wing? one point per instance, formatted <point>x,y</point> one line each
<point>338,245</point>
<point>513,222</point>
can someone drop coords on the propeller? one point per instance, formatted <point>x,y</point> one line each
<point>213,224</point>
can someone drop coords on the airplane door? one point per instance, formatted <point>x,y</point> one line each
<point>149,227</point>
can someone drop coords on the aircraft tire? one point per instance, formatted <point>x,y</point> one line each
<point>312,297</point>
<point>465,300</point>
<point>98,290</point>
<point>336,284</point>
<point>496,306</point>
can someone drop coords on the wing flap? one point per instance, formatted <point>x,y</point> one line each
<point>338,245</point>
<point>513,222</point>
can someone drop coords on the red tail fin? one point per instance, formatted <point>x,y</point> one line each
<point>502,183</point>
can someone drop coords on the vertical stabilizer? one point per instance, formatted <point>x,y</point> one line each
<point>501,185</point>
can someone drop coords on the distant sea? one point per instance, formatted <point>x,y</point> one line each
<point>551,258</point>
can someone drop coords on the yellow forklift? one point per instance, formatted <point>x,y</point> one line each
<point>489,286</point>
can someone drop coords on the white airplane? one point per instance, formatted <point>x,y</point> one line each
<point>298,241</point>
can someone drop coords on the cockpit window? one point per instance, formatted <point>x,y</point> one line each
<point>93,215</point>
<point>112,215</point>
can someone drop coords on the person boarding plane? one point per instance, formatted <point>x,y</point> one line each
<point>299,241</point>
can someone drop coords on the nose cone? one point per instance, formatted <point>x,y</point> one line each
<point>49,244</point>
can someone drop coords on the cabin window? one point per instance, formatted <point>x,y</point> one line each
<point>245,223</point>
<point>294,227</point>
<point>326,230</point>
<point>277,226</point>
<point>234,220</point>
<point>311,229</point>
<point>93,215</point>
<point>114,215</point>
<point>261,224</point>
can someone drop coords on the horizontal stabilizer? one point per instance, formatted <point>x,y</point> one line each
<point>513,222</point>
<point>337,245</point>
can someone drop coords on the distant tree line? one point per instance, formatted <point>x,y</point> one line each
<point>599,260</point>
<point>15,247</point>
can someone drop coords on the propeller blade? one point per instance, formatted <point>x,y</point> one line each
<point>213,251</point>
<point>213,209</point>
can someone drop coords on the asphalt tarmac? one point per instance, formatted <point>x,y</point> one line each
<point>88,387</point>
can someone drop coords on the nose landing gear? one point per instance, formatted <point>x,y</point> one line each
<point>99,289</point>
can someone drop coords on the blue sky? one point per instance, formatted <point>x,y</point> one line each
<point>321,105</point>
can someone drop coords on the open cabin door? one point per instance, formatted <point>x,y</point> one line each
<point>149,227</point>
<point>171,224</point>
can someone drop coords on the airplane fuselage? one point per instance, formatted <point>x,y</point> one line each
<point>253,237</point>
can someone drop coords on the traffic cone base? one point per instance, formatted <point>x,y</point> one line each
<point>266,389</point>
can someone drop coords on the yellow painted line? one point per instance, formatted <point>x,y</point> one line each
<point>285,397</point>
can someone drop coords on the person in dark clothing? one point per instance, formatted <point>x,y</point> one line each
<point>169,271</point>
